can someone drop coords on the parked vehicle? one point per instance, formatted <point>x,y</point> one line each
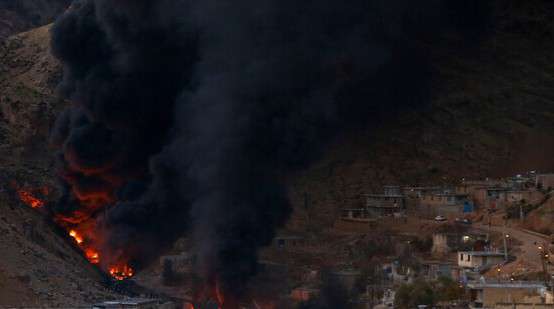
<point>463,221</point>
<point>440,218</point>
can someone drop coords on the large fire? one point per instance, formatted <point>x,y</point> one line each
<point>29,199</point>
<point>80,226</point>
<point>120,271</point>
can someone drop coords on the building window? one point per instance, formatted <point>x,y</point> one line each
<point>461,256</point>
<point>468,257</point>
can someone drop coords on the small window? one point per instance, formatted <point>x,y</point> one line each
<point>461,256</point>
<point>468,257</point>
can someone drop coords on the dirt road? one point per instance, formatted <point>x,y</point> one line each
<point>529,249</point>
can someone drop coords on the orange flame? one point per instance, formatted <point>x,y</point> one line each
<point>121,272</point>
<point>30,200</point>
<point>78,239</point>
<point>92,256</point>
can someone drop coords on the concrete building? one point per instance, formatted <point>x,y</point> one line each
<point>440,245</point>
<point>528,196</point>
<point>490,197</point>
<point>288,242</point>
<point>544,181</point>
<point>446,242</point>
<point>387,204</point>
<point>303,294</point>
<point>444,204</point>
<point>468,186</point>
<point>480,259</point>
<point>500,197</point>
<point>417,192</point>
<point>392,190</point>
<point>179,263</point>
<point>347,278</point>
<point>433,270</point>
<point>491,295</point>
<point>355,215</point>
<point>132,303</point>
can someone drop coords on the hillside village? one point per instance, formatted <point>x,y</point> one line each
<point>472,244</point>
<point>483,238</point>
<point>467,245</point>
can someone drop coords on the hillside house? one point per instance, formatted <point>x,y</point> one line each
<point>433,270</point>
<point>490,197</point>
<point>497,197</point>
<point>518,182</point>
<point>179,263</point>
<point>544,181</point>
<point>489,295</point>
<point>288,242</point>
<point>386,204</point>
<point>468,186</point>
<point>444,243</point>
<point>529,196</point>
<point>417,192</point>
<point>303,294</point>
<point>480,259</point>
<point>132,303</point>
<point>392,190</point>
<point>444,204</point>
<point>355,214</point>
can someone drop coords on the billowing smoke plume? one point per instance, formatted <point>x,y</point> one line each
<point>187,114</point>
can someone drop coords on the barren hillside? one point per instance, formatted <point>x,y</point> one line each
<point>491,115</point>
<point>39,266</point>
<point>21,15</point>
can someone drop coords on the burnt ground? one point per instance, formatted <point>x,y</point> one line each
<point>40,267</point>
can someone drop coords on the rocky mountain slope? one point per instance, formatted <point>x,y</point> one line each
<point>28,77</point>
<point>491,115</point>
<point>39,266</point>
<point>21,15</point>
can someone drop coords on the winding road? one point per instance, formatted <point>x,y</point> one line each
<point>530,242</point>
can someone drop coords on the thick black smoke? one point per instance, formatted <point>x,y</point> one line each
<point>221,99</point>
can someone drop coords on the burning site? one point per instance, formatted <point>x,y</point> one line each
<point>275,154</point>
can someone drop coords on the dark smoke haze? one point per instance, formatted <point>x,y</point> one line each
<point>188,114</point>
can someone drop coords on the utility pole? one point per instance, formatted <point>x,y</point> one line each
<point>544,256</point>
<point>505,238</point>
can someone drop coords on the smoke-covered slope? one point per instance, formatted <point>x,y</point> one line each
<point>492,114</point>
<point>38,268</point>
<point>21,15</point>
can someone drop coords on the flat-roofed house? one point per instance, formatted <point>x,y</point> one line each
<point>387,204</point>
<point>524,294</point>
<point>443,204</point>
<point>480,259</point>
<point>544,181</point>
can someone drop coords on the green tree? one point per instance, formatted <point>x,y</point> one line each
<point>448,290</point>
<point>411,295</point>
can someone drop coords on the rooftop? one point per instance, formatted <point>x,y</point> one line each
<point>125,302</point>
<point>507,285</point>
<point>483,253</point>
<point>384,195</point>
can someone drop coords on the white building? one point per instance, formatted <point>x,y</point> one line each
<point>477,259</point>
